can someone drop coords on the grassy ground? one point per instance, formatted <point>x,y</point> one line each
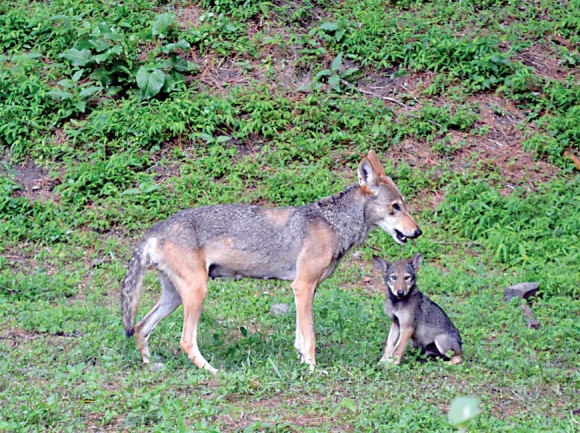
<point>116,115</point>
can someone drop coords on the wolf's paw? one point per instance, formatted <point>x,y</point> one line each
<point>306,360</point>
<point>156,367</point>
<point>212,370</point>
<point>388,359</point>
<point>455,360</point>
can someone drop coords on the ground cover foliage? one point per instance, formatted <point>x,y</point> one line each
<point>118,114</point>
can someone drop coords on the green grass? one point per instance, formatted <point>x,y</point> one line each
<point>470,106</point>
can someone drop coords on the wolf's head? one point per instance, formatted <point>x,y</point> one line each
<point>399,276</point>
<point>385,206</point>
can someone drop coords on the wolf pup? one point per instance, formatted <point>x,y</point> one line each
<point>300,244</point>
<point>414,316</point>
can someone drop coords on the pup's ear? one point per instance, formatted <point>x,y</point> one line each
<point>368,178</point>
<point>380,264</point>
<point>416,261</point>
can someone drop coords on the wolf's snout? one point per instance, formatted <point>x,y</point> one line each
<point>400,293</point>
<point>416,233</point>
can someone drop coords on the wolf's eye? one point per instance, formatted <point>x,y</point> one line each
<point>393,277</point>
<point>397,207</point>
<point>407,278</point>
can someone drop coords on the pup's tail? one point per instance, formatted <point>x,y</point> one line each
<point>131,289</point>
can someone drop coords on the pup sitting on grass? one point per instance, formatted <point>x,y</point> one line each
<point>414,316</point>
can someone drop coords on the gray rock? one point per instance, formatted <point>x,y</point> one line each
<point>521,290</point>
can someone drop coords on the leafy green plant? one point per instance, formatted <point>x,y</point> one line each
<point>334,76</point>
<point>163,74</point>
<point>245,9</point>
<point>221,35</point>
<point>431,121</point>
<point>159,73</point>
<point>336,29</point>
<point>528,221</point>
<point>75,94</point>
<point>22,218</point>
<point>102,49</point>
<point>107,48</point>
<point>87,181</point>
<point>25,106</point>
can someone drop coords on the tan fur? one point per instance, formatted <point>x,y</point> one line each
<point>313,266</point>
<point>455,360</point>
<point>223,252</point>
<point>374,160</point>
<point>278,216</point>
<point>405,335</point>
<point>391,341</point>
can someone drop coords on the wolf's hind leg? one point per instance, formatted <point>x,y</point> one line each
<point>447,343</point>
<point>187,270</point>
<point>167,303</point>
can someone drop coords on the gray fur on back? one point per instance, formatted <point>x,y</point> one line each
<point>272,248</point>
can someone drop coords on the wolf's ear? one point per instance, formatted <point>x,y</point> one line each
<point>380,264</point>
<point>368,178</point>
<point>416,261</point>
<point>374,160</point>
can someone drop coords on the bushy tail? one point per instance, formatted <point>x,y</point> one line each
<point>131,289</point>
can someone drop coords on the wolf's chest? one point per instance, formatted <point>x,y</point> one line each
<point>401,312</point>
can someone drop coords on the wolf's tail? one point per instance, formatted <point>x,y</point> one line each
<point>131,289</point>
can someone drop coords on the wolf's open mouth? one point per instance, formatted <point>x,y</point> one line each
<point>400,236</point>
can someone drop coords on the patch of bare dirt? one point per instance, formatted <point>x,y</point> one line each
<point>500,150</point>
<point>220,74</point>
<point>275,66</point>
<point>35,182</point>
<point>188,16</point>
<point>502,145</point>
<point>278,67</point>
<point>541,58</point>
<point>381,82</point>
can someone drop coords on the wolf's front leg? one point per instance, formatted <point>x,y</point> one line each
<point>391,340</point>
<point>299,340</point>
<point>405,335</point>
<point>305,339</point>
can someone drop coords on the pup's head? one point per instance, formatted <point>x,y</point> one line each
<point>385,205</point>
<point>400,275</point>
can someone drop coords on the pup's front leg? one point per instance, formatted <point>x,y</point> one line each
<point>391,340</point>
<point>405,335</point>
